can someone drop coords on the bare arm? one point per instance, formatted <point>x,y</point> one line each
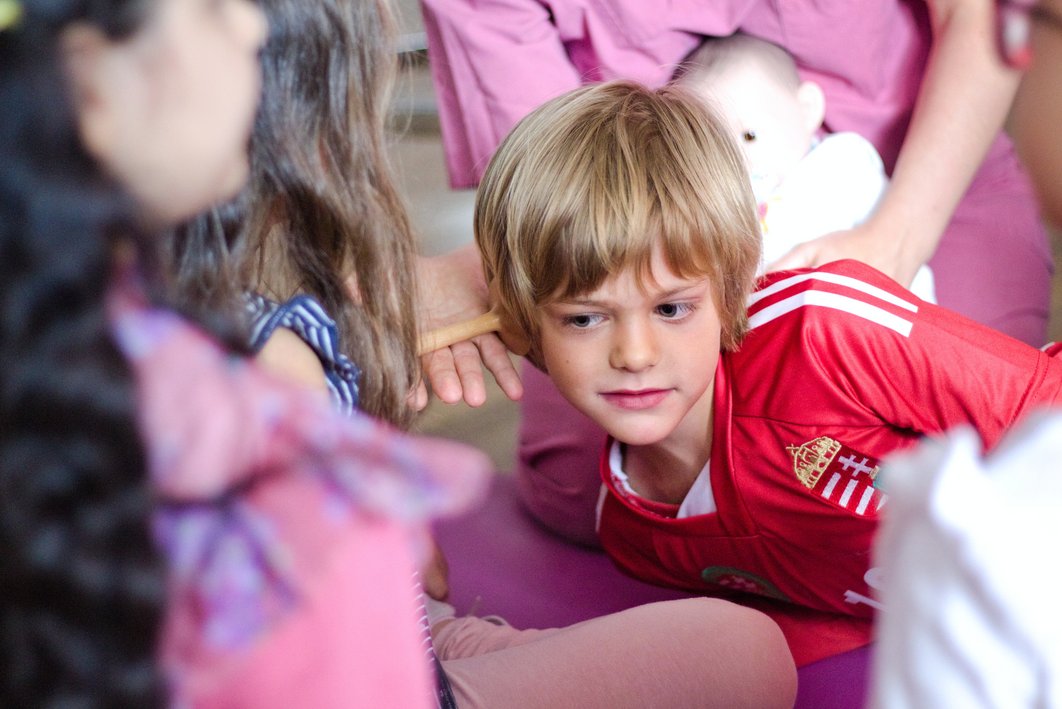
<point>961,106</point>
<point>286,355</point>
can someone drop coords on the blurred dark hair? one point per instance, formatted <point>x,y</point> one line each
<point>321,214</point>
<point>81,587</point>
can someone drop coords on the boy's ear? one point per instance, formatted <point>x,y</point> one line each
<point>84,52</point>
<point>813,104</point>
<point>518,341</point>
<point>514,338</point>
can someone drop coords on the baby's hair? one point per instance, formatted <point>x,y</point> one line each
<point>81,585</point>
<point>716,55</point>
<point>588,183</point>
<point>321,213</point>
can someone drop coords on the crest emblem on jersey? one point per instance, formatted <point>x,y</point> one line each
<point>838,473</point>
<point>727,578</point>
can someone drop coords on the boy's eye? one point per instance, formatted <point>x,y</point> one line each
<point>582,320</point>
<point>749,136</point>
<point>673,311</point>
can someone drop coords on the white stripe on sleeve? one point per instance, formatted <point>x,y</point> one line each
<point>847,281</point>
<point>859,308</point>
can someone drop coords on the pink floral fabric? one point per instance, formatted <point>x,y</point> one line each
<point>292,532</point>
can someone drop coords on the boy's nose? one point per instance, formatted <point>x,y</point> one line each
<point>635,347</point>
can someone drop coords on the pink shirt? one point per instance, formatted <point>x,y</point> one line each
<point>494,61</point>
<point>291,532</point>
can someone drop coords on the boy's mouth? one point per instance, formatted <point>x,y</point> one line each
<point>635,400</point>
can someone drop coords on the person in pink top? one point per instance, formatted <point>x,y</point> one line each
<point>165,503</point>
<point>921,81</point>
<point>253,474</point>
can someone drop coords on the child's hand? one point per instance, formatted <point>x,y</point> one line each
<point>435,576</point>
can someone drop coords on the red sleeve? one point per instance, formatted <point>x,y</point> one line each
<point>871,347</point>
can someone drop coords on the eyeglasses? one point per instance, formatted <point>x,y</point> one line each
<point>1015,19</point>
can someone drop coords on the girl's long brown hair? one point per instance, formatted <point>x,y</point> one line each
<point>321,214</point>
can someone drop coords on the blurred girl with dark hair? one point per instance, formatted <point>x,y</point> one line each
<point>121,421</point>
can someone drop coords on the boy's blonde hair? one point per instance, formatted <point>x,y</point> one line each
<point>586,185</point>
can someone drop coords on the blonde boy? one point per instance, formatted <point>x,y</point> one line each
<point>618,234</point>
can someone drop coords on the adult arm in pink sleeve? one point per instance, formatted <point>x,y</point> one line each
<point>963,101</point>
<point>492,61</point>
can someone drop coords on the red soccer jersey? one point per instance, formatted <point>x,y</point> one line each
<point>840,368</point>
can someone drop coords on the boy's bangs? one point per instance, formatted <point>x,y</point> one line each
<point>592,183</point>
<point>615,227</point>
<point>598,246</point>
<point>688,243</point>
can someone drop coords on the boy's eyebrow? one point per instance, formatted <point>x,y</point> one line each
<point>664,295</point>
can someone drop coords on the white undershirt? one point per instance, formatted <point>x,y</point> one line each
<point>698,501</point>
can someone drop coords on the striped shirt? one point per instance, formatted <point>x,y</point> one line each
<point>306,318</point>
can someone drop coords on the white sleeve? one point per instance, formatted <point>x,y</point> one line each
<point>969,573</point>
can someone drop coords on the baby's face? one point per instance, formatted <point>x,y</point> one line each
<point>767,121</point>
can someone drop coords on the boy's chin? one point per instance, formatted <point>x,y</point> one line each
<point>630,436</point>
<point>630,429</point>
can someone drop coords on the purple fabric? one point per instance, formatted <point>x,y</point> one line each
<point>994,261</point>
<point>504,563</point>
<point>838,682</point>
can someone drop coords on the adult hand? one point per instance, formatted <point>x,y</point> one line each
<point>867,243</point>
<point>456,372</point>
<point>452,289</point>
